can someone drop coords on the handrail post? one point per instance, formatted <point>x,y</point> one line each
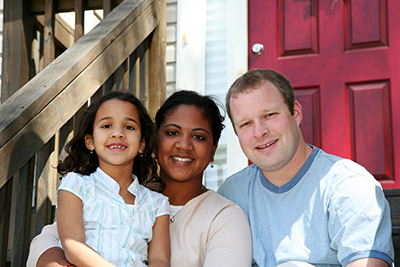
<point>17,32</point>
<point>5,197</point>
<point>157,71</point>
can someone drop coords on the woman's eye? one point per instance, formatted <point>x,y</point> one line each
<point>172,133</point>
<point>199,137</point>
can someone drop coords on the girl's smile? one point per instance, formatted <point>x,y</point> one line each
<point>117,146</point>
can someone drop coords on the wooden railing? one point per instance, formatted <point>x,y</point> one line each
<point>126,52</point>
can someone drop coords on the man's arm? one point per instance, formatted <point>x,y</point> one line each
<point>368,262</point>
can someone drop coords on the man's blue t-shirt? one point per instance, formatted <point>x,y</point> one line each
<point>331,213</point>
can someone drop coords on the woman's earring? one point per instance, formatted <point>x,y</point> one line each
<point>212,165</point>
<point>140,154</point>
<point>91,151</point>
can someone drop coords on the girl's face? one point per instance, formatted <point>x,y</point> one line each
<point>184,144</point>
<point>116,135</point>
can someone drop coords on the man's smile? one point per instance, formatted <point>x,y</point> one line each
<point>267,145</point>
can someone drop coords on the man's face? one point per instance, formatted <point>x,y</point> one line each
<point>268,134</point>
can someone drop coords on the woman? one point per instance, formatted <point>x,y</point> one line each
<point>206,229</point>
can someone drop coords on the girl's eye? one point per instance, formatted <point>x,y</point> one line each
<point>106,126</point>
<point>129,127</point>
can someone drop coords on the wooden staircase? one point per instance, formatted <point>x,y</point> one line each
<point>125,51</point>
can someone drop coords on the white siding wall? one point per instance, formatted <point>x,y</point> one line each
<point>236,64</point>
<point>172,8</point>
<point>226,59</point>
<point>216,79</point>
<point>191,45</point>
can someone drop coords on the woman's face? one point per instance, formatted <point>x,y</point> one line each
<point>184,144</point>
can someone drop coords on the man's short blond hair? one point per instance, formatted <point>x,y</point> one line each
<point>254,79</point>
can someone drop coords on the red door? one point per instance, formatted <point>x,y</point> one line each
<point>343,59</point>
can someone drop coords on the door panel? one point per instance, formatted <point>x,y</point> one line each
<point>370,124</point>
<point>343,59</point>
<point>310,126</point>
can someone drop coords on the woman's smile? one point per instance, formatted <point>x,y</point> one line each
<point>182,159</point>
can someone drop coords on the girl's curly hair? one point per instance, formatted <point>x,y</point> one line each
<point>80,160</point>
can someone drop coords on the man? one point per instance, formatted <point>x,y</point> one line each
<point>303,204</point>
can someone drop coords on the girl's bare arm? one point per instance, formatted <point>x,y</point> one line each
<point>72,233</point>
<point>159,246</point>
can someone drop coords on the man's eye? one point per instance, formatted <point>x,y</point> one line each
<point>245,124</point>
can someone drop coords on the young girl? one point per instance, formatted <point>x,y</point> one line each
<point>105,216</point>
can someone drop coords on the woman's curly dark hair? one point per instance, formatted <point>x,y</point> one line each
<point>208,104</point>
<point>79,158</point>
